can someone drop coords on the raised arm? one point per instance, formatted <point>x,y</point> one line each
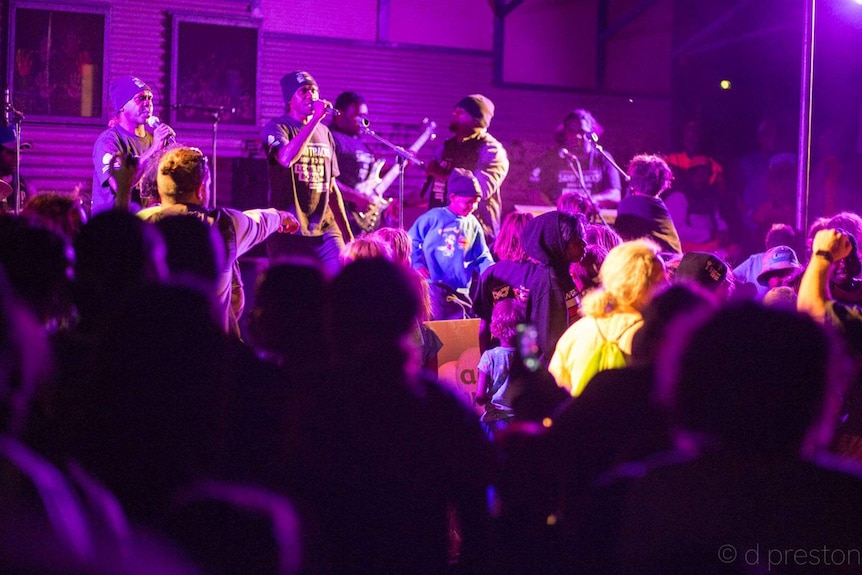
<point>828,247</point>
<point>288,154</point>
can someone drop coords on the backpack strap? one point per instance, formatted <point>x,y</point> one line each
<point>622,333</point>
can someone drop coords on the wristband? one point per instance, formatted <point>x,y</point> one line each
<point>825,255</point>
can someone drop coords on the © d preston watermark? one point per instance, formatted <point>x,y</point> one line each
<point>791,557</point>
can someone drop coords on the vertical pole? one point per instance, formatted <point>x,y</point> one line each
<point>804,167</point>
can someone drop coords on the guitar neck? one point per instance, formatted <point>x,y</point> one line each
<point>393,172</point>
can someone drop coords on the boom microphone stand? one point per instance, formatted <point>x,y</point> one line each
<point>575,166</point>
<point>403,155</point>
<point>13,117</point>
<point>593,138</point>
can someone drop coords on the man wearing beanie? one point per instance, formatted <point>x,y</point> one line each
<point>473,149</point>
<point>448,245</point>
<point>128,134</point>
<point>302,171</point>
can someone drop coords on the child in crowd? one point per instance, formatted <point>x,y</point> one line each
<point>494,366</point>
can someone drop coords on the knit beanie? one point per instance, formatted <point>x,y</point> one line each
<point>292,81</point>
<point>124,89</point>
<point>479,107</point>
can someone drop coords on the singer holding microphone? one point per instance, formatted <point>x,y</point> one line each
<point>134,131</point>
<point>303,167</point>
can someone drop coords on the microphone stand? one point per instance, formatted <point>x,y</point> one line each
<point>402,156</point>
<point>216,116</point>
<point>13,117</point>
<point>584,191</point>
<point>593,138</point>
<point>215,113</point>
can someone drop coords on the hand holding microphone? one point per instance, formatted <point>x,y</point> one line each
<point>320,108</point>
<point>163,134</point>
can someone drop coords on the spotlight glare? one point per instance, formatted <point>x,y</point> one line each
<point>725,84</point>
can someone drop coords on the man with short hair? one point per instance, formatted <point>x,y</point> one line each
<point>474,149</point>
<point>448,246</point>
<point>358,172</point>
<point>183,182</point>
<point>128,134</point>
<point>302,172</point>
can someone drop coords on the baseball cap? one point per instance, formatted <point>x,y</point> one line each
<point>8,136</point>
<point>780,260</point>
<point>703,268</point>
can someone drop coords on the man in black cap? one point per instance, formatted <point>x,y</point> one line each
<point>9,170</point>
<point>302,171</point>
<point>130,133</point>
<point>474,149</point>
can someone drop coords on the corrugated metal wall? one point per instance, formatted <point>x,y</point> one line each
<point>403,85</point>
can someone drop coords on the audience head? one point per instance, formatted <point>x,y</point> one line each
<point>193,248</point>
<point>603,236</point>
<point>9,150</point>
<point>149,422</point>
<point>38,265</point>
<point>671,303</point>
<point>364,247</point>
<point>555,238</point>
<point>587,270</point>
<point>781,235</point>
<point>783,297</point>
<point>115,253</point>
<point>507,246</point>
<point>574,203</point>
<point>288,307</point>
<point>183,176</point>
<point>650,175</point>
<point>505,317</point>
<point>754,379</point>
<point>778,264</point>
<point>25,359</point>
<point>398,241</point>
<point>60,213</point>
<point>374,304</point>
<point>629,275</point>
<point>706,270</point>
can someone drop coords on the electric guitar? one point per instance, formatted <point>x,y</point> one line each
<point>375,186</point>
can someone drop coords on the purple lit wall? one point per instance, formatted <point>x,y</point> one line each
<point>411,60</point>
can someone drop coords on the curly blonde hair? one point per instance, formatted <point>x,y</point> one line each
<point>629,273</point>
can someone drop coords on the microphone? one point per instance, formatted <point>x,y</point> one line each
<point>565,154</point>
<point>331,111</point>
<point>153,122</point>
